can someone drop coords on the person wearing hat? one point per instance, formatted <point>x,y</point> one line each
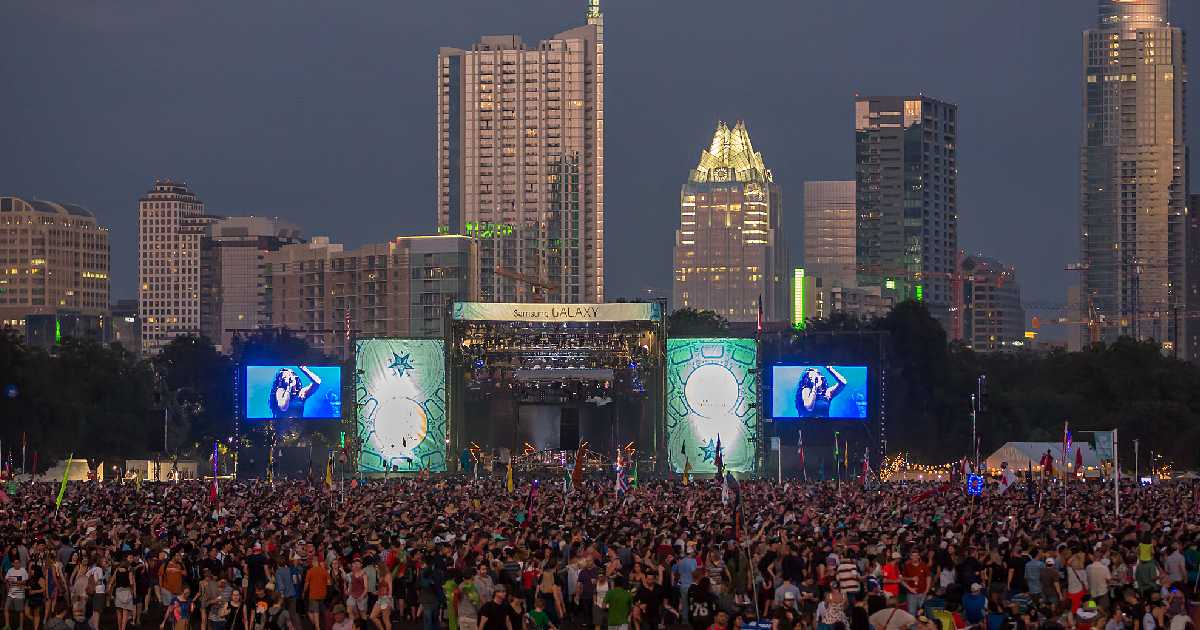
<point>341,621</point>
<point>975,604</point>
<point>1087,615</point>
<point>786,615</point>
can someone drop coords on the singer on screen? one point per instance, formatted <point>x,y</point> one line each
<point>288,393</point>
<point>815,393</point>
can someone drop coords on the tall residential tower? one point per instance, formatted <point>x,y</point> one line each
<point>907,197</point>
<point>520,155</point>
<point>171,222</point>
<point>1133,185</point>
<point>728,249</point>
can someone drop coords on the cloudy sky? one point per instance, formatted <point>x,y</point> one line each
<point>322,111</point>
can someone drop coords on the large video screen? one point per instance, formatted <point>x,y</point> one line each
<point>711,396</point>
<point>834,392</point>
<point>401,392</point>
<point>299,392</point>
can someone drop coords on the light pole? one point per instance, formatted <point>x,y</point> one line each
<point>1135,462</point>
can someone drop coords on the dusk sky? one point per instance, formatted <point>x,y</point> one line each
<point>322,112</point>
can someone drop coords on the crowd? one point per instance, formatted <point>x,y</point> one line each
<point>467,555</point>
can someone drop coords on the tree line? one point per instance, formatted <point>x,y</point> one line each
<point>104,402</point>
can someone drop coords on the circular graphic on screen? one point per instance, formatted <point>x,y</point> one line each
<point>712,391</point>
<point>406,423</point>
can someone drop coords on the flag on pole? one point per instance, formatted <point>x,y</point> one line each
<point>577,472</point>
<point>1078,461</point>
<point>731,492</point>
<point>329,471</point>
<point>866,466</point>
<point>719,459</point>
<point>846,456</point>
<point>633,478</point>
<point>508,478</point>
<point>687,470</point>
<point>837,457</point>
<point>214,492</point>
<point>1007,477</point>
<point>800,452</point>
<point>1066,443</point>
<point>622,484</point>
<point>1047,463</point>
<point>62,488</point>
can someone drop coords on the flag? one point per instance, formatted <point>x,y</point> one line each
<point>577,472</point>
<point>529,502</point>
<point>508,481</point>
<point>216,460</point>
<point>1066,443</point>
<point>1047,463</point>
<point>837,459</point>
<point>800,447</point>
<point>731,492</point>
<point>1007,477</point>
<point>633,479</point>
<point>866,466</point>
<point>687,470</point>
<point>1078,461</point>
<point>1029,483</point>
<point>622,484</point>
<point>846,456</point>
<point>62,489</point>
<point>329,471</point>
<point>719,459</point>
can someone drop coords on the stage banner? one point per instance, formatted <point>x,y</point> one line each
<point>712,391</point>
<point>400,385</point>
<point>501,312</point>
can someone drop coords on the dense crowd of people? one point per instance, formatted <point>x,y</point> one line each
<point>467,555</point>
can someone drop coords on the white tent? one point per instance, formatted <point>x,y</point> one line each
<point>1019,455</point>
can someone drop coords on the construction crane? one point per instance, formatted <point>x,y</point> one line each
<point>533,281</point>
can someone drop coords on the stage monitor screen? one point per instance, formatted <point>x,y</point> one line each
<point>711,395</point>
<point>831,392</point>
<point>401,393</point>
<point>297,392</point>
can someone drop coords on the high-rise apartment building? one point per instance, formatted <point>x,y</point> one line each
<point>1134,233</point>
<point>232,264</point>
<point>729,250</point>
<point>125,326</point>
<point>907,197</point>
<point>171,222</point>
<point>53,264</point>
<point>992,317</point>
<point>400,288</point>
<point>520,155</point>
<point>829,232</point>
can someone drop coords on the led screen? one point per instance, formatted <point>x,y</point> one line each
<point>298,392</point>
<point>401,393</point>
<point>711,395</point>
<point>839,392</point>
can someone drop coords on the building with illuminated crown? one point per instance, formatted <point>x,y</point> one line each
<point>54,262</point>
<point>520,156</point>
<point>728,251</point>
<point>1138,272</point>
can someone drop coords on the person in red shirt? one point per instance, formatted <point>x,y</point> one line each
<point>316,588</point>
<point>891,576</point>
<point>720,622</point>
<point>915,582</point>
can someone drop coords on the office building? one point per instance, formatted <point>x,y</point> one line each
<point>1135,238</point>
<point>171,222</point>
<point>992,316</point>
<point>829,229</point>
<point>54,264</point>
<point>232,285</point>
<point>906,192</point>
<point>401,288</point>
<point>125,326</point>
<point>520,151</point>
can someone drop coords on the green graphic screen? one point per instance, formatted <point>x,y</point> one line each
<point>711,394</point>
<point>400,386</point>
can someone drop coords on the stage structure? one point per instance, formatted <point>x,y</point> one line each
<point>545,378</point>
<point>400,388</point>
<point>712,404</point>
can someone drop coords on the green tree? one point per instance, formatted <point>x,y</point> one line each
<point>689,322</point>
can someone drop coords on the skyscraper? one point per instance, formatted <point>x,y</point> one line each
<point>232,285</point>
<point>907,197</point>
<point>521,158</point>
<point>829,225</point>
<point>993,318</point>
<point>171,221</point>
<point>1134,233</point>
<point>728,249</point>
<point>53,265</point>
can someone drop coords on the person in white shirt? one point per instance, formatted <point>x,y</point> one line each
<point>15,579</point>
<point>1098,580</point>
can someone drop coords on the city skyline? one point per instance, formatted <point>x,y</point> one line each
<point>335,163</point>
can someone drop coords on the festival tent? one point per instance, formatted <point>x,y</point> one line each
<point>1020,454</point>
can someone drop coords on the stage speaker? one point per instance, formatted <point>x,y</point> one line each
<point>568,435</point>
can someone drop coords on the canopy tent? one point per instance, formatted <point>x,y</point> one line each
<point>1020,454</point>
